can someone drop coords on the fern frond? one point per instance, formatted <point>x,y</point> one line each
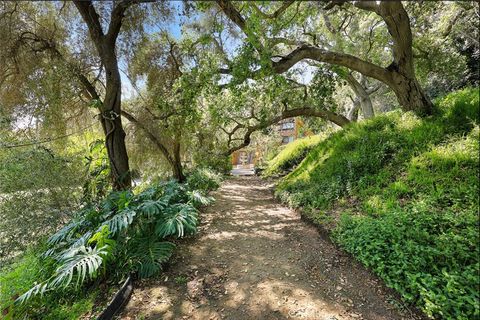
<point>178,220</point>
<point>84,264</point>
<point>151,207</point>
<point>119,221</point>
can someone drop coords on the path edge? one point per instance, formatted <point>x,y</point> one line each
<point>118,301</point>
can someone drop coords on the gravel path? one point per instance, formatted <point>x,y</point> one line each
<point>256,259</point>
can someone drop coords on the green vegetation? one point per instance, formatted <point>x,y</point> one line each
<point>291,155</point>
<point>123,233</point>
<point>30,269</point>
<point>181,279</point>
<point>111,125</point>
<point>409,191</point>
<point>34,181</point>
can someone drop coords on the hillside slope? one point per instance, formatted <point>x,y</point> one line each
<point>401,194</point>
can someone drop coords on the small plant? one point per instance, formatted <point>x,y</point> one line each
<point>181,279</point>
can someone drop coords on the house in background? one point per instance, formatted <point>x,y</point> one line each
<point>289,132</point>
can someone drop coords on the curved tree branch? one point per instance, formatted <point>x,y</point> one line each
<point>337,58</point>
<point>130,117</point>
<point>277,13</point>
<point>307,111</point>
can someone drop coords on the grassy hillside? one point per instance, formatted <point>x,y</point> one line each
<point>291,155</point>
<point>407,190</point>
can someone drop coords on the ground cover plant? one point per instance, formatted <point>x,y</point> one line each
<point>291,155</point>
<point>126,233</point>
<point>408,188</point>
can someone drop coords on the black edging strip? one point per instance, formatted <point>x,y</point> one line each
<point>118,301</point>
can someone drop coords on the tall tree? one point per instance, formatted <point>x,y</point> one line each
<point>399,75</point>
<point>110,108</point>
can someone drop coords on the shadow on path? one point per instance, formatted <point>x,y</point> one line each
<point>255,259</point>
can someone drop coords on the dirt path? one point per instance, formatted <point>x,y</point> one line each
<point>255,259</point>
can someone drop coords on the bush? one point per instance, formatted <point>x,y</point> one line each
<point>291,155</point>
<point>41,185</point>
<point>461,108</point>
<point>409,191</point>
<point>205,158</point>
<point>122,234</point>
<point>20,170</point>
<point>204,179</point>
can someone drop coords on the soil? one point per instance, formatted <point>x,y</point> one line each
<point>256,259</point>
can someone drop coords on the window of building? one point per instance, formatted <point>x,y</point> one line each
<point>287,126</point>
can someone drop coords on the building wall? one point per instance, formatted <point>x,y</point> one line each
<point>289,131</point>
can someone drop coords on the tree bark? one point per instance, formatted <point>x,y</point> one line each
<point>362,96</point>
<point>324,114</point>
<point>111,107</point>
<point>353,112</point>
<point>399,76</point>
<point>410,94</point>
<point>177,161</point>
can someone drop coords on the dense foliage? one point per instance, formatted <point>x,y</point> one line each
<point>291,155</point>
<point>100,98</point>
<point>125,233</point>
<point>408,188</point>
<point>38,189</point>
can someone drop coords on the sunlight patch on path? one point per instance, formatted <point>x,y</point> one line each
<point>255,259</point>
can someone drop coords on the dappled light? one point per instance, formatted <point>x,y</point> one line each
<point>240,160</point>
<point>256,259</point>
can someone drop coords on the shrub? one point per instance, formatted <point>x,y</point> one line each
<point>205,158</point>
<point>409,190</point>
<point>40,184</point>
<point>204,179</point>
<point>20,170</point>
<point>122,234</point>
<point>461,108</point>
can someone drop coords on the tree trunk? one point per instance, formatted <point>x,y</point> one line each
<point>177,162</point>
<point>410,94</point>
<point>353,112</point>
<point>178,170</point>
<point>363,97</point>
<point>113,129</point>
<point>111,107</point>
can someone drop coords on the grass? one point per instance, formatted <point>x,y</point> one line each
<point>19,277</point>
<point>409,189</point>
<point>291,155</point>
<point>181,279</point>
